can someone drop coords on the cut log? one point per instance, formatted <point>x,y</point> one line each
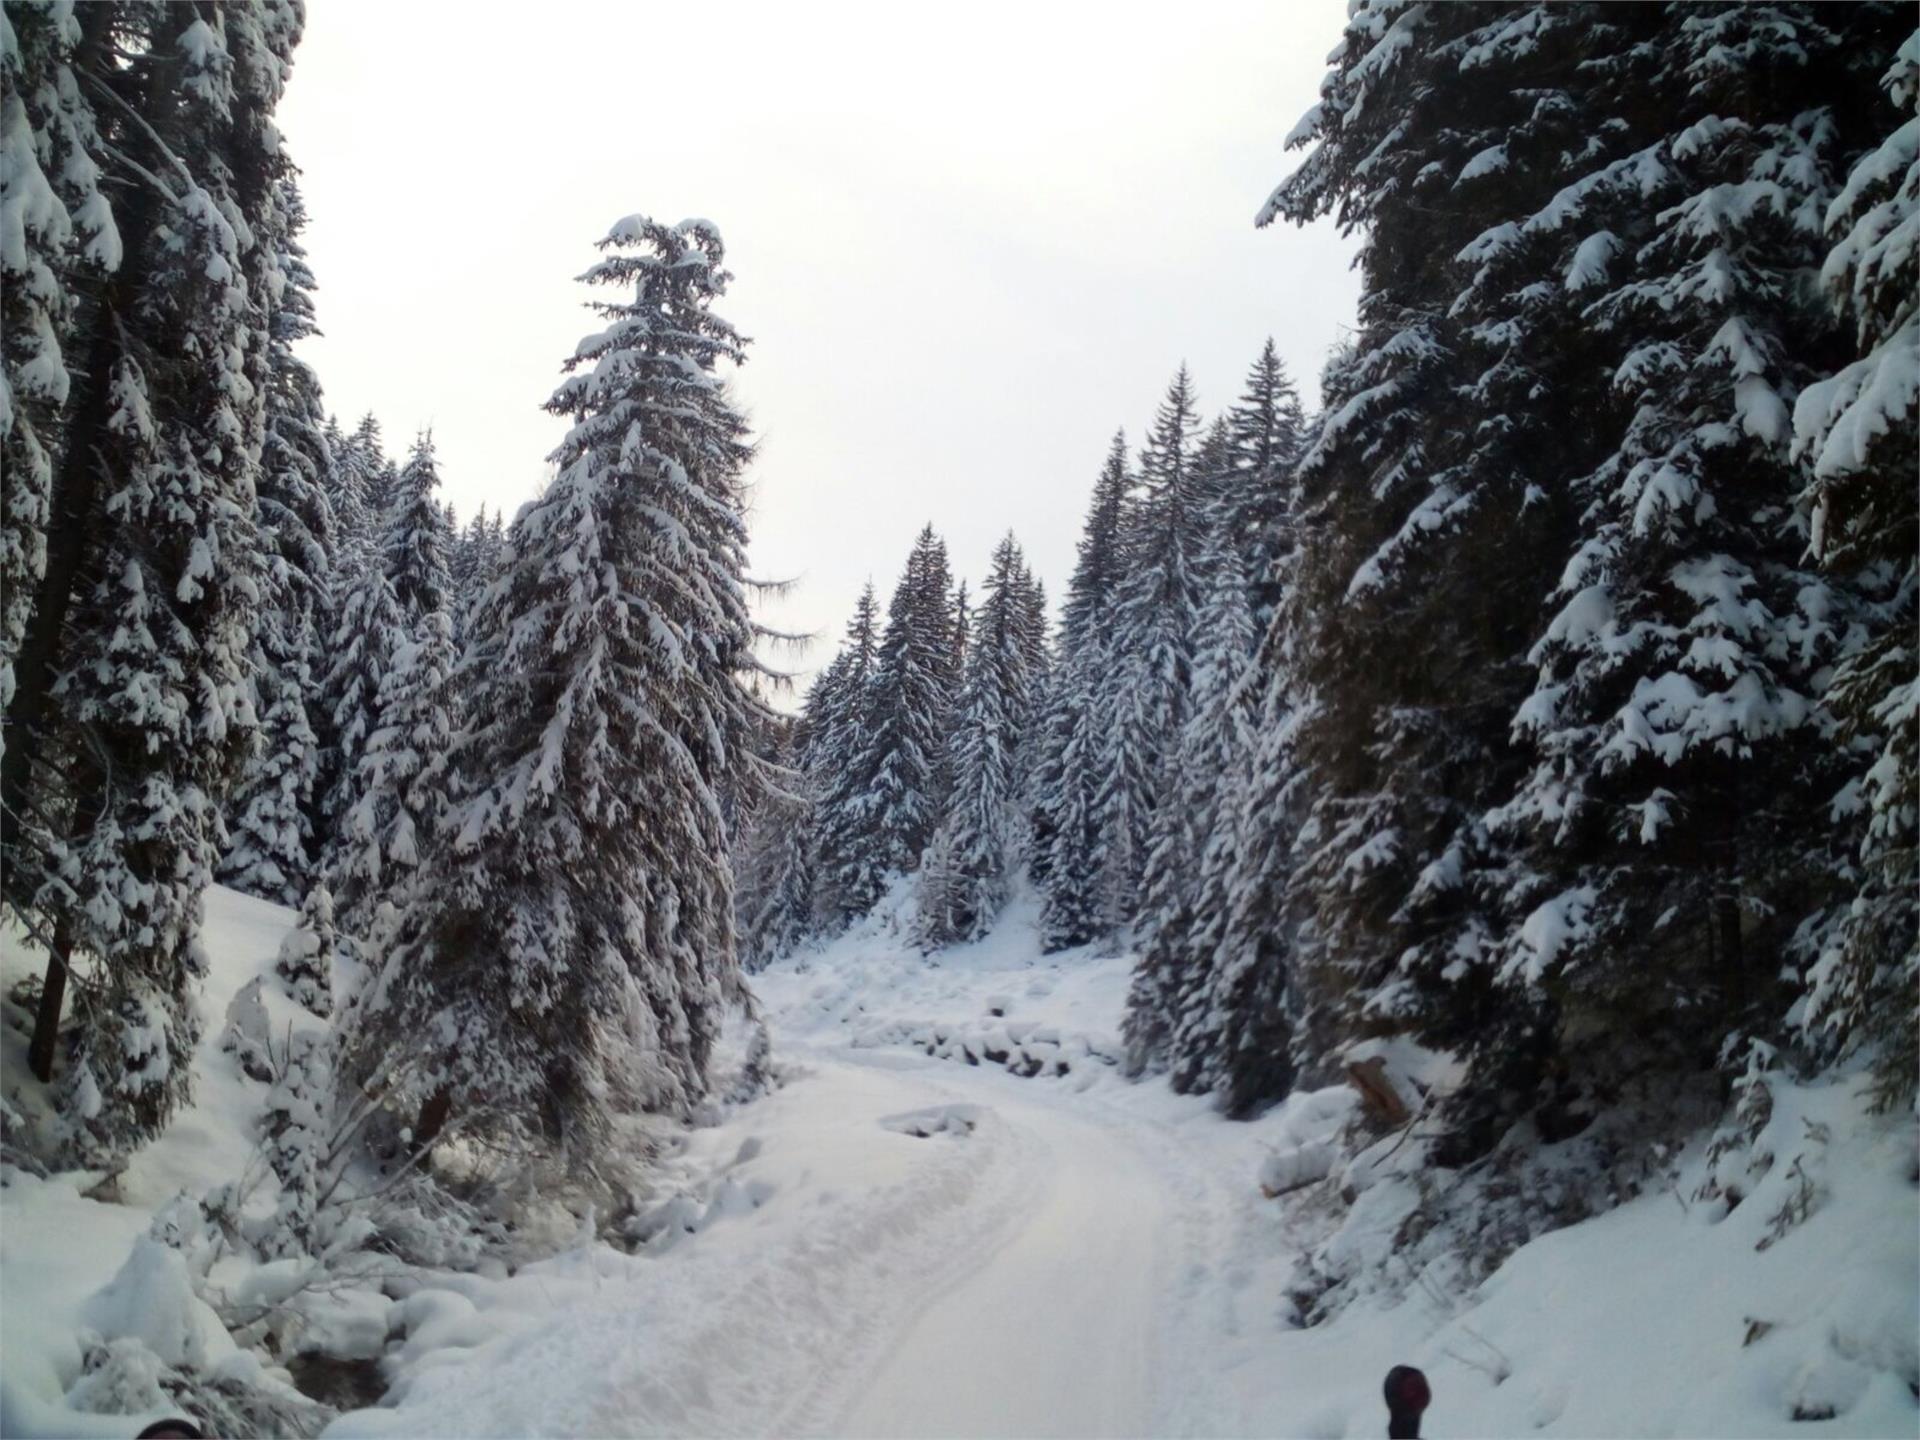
<point>1378,1091</point>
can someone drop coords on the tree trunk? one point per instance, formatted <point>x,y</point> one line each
<point>433,1119</point>
<point>46,1021</point>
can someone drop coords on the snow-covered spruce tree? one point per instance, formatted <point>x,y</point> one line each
<point>962,896</point>
<point>296,1119</point>
<point>1067,850</point>
<point>372,472</point>
<point>368,627</point>
<point>401,780</point>
<point>1163,531</point>
<point>1234,1032</point>
<point>1857,431</point>
<point>413,536</point>
<point>387,608</point>
<point>848,872</point>
<point>130,716</point>
<point>1265,427</point>
<point>1033,635</point>
<point>571,948</point>
<point>1030,624</point>
<point>271,845</point>
<point>348,670</point>
<point>357,486</point>
<point>474,565</point>
<point>470,566</point>
<point>773,860</point>
<point>54,222</point>
<point>784,920</point>
<point>961,632</point>
<point>463,558</point>
<point>1429,493</point>
<point>903,760</point>
<point>1672,824</point>
<point>1188,867</point>
<point>755,823</point>
<point>305,961</point>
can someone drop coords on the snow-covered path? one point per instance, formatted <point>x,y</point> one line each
<point>1019,1277</point>
<point>1054,1332</point>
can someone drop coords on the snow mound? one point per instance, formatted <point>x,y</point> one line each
<point>937,1120</point>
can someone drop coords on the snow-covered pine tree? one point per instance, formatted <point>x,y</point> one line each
<point>573,948</point>
<point>1036,652</point>
<point>401,781</point>
<point>271,846</point>
<point>130,715</point>
<point>1265,428</point>
<point>388,608</point>
<point>1163,532</point>
<point>369,627</point>
<point>1233,1034</point>
<point>413,535</point>
<point>1672,824</point>
<point>1067,854</point>
<point>848,873</point>
<point>305,961</point>
<point>468,561</point>
<point>1030,619</point>
<point>359,485</point>
<point>54,222</point>
<point>463,558</point>
<point>962,895</point>
<point>297,1120</point>
<point>784,920</point>
<point>962,631</point>
<point>482,553</point>
<point>903,762</point>
<point>778,913</point>
<point>1428,497</point>
<point>1857,431</point>
<point>1188,868</point>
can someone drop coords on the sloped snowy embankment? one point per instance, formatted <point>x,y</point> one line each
<point>901,1242</point>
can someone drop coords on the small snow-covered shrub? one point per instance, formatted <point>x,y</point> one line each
<point>236,1396</point>
<point>118,1377</point>
<point>296,1134</point>
<point>1739,1155</point>
<point>423,1222</point>
<point>248,1036</point>
<point>305,962</point>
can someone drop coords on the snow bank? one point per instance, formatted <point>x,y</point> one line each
<point>896,1241</point>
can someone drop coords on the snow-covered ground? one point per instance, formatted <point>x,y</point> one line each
<point>900,1242</point>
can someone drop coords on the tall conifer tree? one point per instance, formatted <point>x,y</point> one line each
<point>572,948</point>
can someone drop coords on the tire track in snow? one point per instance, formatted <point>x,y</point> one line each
<point>1073,1324</point>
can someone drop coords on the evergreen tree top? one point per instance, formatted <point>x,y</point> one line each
<point>1100,563</point>
<point>414,539</point>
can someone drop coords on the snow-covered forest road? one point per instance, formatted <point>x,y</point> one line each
<point>1053,1332</point>
<point>1015,1270</point>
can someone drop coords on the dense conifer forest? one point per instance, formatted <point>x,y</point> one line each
<point>1538,691</point>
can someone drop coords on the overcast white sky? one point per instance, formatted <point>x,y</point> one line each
<point>969,241</point>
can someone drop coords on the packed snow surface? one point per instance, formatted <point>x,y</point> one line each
<point>955,1217</point>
